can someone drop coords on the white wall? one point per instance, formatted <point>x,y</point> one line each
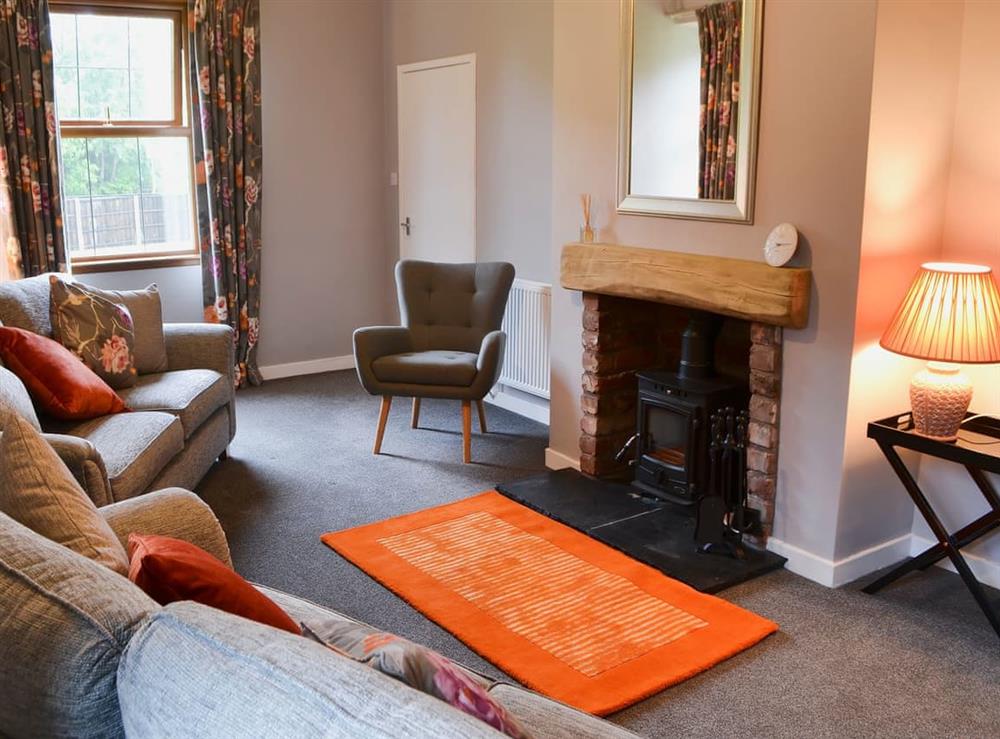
<point>972,234</point>
<point>811,171</point>
<point>666,108</point>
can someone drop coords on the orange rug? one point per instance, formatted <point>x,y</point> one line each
<point>561,612</point>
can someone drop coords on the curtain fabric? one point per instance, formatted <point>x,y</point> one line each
<point>719,36</point>
<point>30,214</point>
<point>225,68</point>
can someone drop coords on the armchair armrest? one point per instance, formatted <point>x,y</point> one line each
<point>200,346</point>
<point>86,464</point>
<point>490,360</point>
<point>170,512</point>
<point>373,342</point>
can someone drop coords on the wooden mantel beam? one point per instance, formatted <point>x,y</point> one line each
<point>752,291</point>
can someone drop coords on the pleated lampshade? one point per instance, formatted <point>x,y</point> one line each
<point>950,314</point>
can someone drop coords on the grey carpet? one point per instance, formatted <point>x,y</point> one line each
<point>919,659</point>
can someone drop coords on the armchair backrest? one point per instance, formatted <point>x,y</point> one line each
<point>452,306</point>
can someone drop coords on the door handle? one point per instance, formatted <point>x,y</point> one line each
<point>406,224</point>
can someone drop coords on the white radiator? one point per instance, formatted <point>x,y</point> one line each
<point>526,363</point>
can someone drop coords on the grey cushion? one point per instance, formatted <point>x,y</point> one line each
<point>25,304</point>
<point>14,398</point>
<point>440,367</point>
<point>37,490</point>
<point>147,316</point>
<point>192,395</point>
<point>241,678</point>
<point>135,447</point>
<point>64,623</point>
<point>452,306</point>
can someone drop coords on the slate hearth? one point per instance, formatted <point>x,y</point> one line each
<point>657,533</point>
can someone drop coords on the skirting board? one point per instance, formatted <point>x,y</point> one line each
<point>558,461</point>
<point>308,367</point>
<point>834,574</point>
<point>986,571</point>
<point>512,403</point>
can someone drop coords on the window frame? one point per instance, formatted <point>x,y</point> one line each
<point>177,126</point>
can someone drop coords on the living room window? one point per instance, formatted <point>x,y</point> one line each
<point>125,136</point>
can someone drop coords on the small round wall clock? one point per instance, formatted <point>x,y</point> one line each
<point>781,244</point>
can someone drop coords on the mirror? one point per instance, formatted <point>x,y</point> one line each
<point>685,150</point>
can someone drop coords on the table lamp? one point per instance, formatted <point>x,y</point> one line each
<point>950,316</point>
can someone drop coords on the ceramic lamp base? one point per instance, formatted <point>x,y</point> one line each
<point>939,397</point>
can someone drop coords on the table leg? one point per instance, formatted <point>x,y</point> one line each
<point>948,544</point>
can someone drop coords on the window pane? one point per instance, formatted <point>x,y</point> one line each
<point>121,63</point>
<point>133,194</point>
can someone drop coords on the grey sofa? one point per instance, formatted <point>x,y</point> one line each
<point>449,346</point>
<point>182,419</point>
<point>84,652</point>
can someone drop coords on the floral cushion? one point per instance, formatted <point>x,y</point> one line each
<point>98,331</point>
<point>419,667</point>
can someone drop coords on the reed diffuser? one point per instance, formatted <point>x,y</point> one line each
<point>587,233</point>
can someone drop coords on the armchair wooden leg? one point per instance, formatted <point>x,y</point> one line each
<point>482,415</point>
<point>383,416</point>
<point>415,415</point>
<point>466,431</point>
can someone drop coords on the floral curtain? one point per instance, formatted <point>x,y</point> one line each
<point>225,67</point>
<point>31,238</point>
<point>719,35</point>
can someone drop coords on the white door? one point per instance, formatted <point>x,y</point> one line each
<point>437,159</point>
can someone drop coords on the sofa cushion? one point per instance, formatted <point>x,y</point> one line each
<point>169,570</point>
<point>192,395</point>
<point>97,330</point>
<point>241,678</point>
<point>135,447</point>
<point>147,315</point>
<point>64,624</point>
<point>542,717</point>
<point>25,304</point>
<point>427,368</point>
<point>61,385</point>
<point>14,398</point>
<point>37,490</point>
<point>549,719</point>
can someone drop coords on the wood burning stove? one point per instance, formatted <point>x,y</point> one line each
<point>671,442</point>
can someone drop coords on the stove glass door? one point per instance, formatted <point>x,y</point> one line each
<point>666,433</point>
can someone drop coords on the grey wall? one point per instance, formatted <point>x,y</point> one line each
<point>324,266</point>
<point>512,40</point>
<point>180,288</point>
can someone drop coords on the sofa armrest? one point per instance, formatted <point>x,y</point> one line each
<point>373,342</point>
<point>170,512</point>
<point>200,346</point>
<point>86,464</point>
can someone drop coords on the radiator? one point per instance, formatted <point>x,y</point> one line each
<point>526,322</point>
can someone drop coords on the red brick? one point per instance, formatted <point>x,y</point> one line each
<point>764,409</point>
<point>762,460</point>
<point>761,485</point>
<point>609,402</point>
<point>607,423</point>
<point>766,508</point>
<point>763,333</point>
<point>594,383</point>
<point>767,384</point>
<point>764,357</point>
<point>763,435</point>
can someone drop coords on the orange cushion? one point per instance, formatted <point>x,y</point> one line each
<point>61,385</point>
<point>169,570</point>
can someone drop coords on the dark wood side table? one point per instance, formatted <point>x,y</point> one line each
<point>978,450</point>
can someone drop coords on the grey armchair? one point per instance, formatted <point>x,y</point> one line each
<point>449,346</point>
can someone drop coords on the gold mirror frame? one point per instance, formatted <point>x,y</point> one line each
<point>738,210</point>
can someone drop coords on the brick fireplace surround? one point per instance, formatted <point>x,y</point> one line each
<point>622,336</point>
<point>636,303</point>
